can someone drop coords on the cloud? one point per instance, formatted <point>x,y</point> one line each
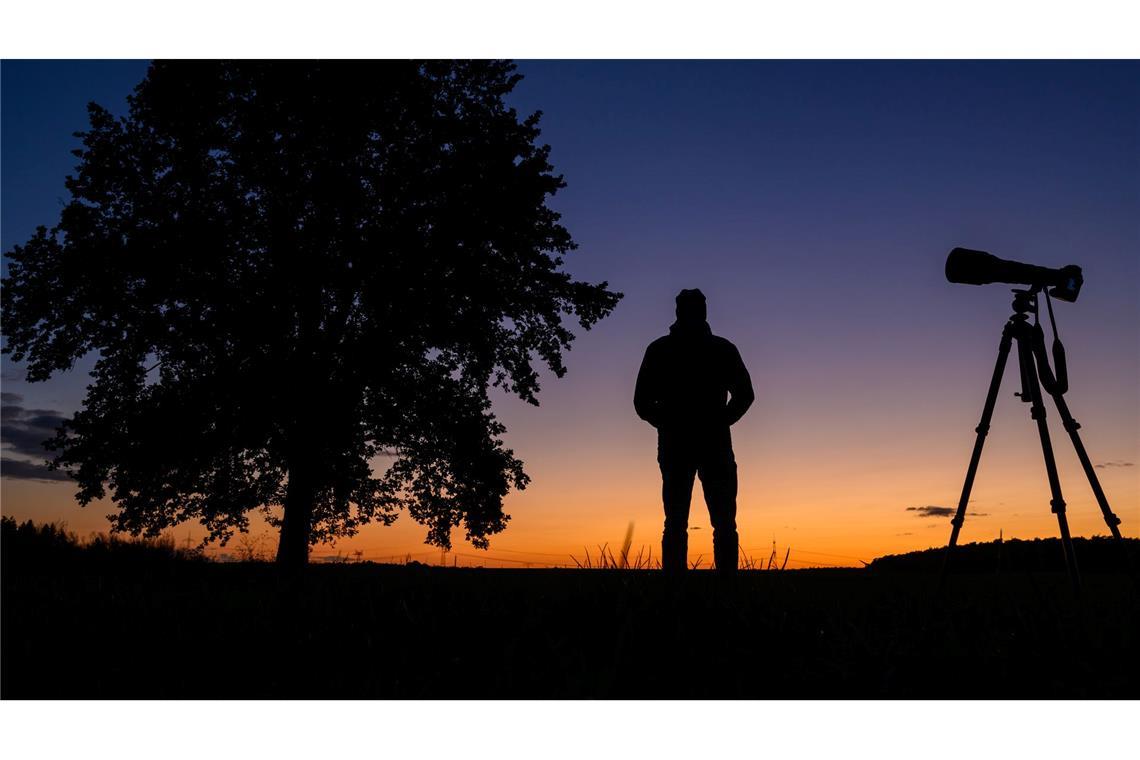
<point>1117,463</point>
<point>931,511</point>
<point>19,469</point>
<point>23,431</point>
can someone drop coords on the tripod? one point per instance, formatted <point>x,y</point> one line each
<point>1035,373</point>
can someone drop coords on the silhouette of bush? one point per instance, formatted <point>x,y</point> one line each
<point>1095,554</point>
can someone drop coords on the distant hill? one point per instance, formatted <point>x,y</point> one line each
<point>1096,554</point>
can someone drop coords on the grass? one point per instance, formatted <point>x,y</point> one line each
<point>162,627</point>
<point>604,558</point>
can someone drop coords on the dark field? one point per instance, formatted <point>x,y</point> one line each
<point>177,628</point>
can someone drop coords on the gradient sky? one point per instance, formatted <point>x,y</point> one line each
<point>814,204</point>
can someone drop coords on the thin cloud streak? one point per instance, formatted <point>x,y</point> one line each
<point>20,469</point>
<point>931,510</point>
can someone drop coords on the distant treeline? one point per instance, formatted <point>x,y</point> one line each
<point>29,545</point>
<point>1096,554</point>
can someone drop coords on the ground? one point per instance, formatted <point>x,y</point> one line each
<point>178,628</point>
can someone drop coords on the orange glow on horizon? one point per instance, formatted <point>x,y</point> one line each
<point>850,511</point>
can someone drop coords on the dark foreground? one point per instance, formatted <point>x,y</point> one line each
<point>184,629</point>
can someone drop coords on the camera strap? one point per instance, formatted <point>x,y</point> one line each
<point>1060,383</point>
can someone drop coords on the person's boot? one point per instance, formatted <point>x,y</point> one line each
<point>725,552</point>
<point>673,551</point>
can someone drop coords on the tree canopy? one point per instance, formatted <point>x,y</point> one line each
<point>300,281</point>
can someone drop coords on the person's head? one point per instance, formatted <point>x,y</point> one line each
<point>691,306</point>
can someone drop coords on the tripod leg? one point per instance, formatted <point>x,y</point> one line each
<point>1037,412</point>
<point>1072,426</point>
<point>982,430</point>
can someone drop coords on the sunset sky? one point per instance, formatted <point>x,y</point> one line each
<point>814,204</point>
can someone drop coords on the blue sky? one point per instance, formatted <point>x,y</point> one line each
<point>814,203</point>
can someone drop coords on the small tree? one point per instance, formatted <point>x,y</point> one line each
<point>300,280</point>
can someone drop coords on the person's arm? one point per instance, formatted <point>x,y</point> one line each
<point>739,387</point>
<point>646,402</point>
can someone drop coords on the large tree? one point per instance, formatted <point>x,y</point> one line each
<point>300,281</point>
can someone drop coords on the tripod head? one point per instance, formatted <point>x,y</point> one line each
<point>1032,338</point>
<point>1025,303</point>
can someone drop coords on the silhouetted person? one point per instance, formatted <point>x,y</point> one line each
<point>683,389</point>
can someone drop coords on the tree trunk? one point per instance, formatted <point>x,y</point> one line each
<point>293,547</point>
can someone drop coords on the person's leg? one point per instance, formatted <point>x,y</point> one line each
<point>677,474</point>
<point>718,480</point>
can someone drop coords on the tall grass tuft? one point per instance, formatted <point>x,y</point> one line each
<point>625,547</point>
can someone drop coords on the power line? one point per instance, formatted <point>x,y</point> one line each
<point>796,550</point>
<point>504,559</point>
<point>542,554</point>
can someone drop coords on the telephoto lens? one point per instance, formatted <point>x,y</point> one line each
<point>971,267</point>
